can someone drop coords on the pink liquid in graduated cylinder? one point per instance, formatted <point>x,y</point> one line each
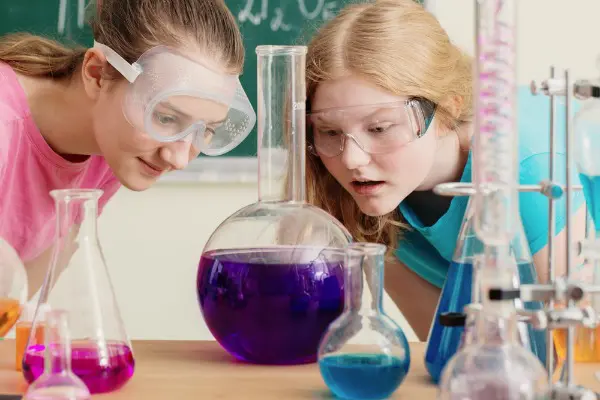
<point>99,377</point>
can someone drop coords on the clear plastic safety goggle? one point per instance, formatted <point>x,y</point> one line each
<point>375,128</point>
<point>172,97</point>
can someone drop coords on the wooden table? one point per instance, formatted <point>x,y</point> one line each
<point>197,370</point>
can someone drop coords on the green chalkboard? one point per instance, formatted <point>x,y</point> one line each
<point>260,21</point>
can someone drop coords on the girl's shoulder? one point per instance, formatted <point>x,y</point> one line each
<point>534,124</point>
<point>13,100</point>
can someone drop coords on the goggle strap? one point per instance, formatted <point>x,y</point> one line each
<point>130,72</point>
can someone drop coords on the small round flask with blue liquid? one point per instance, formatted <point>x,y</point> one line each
<point>364,354</point>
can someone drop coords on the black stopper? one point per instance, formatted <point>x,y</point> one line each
<point>504,294</point>
<point>452,319</point>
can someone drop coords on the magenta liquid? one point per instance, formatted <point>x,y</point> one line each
<point>263,307</point>
<point>99,377</point>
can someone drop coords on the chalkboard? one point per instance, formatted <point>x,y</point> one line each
<point>260,21</point>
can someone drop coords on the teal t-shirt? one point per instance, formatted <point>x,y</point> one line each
<point>428,250</point>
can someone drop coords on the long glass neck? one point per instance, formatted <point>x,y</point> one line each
<point>58,346</point>
<point>281,123</point>
<point>76,214</point>
<point>364,268</point>
<point>496,329</point>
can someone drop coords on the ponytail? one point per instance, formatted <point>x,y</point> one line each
<point>36,56</point>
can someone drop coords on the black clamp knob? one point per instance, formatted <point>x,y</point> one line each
<point>496,294</point>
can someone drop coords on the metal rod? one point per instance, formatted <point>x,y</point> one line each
<point>551,227</point>
<point>569,250</point>
<point>467,189</point>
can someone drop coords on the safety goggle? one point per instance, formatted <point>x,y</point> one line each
<point>172,97</point>
<point>375,128</point>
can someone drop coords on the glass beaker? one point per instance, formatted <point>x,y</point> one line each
<point>461,288</point>
<point>270,279</point>
<point>78,282</point>
<point>495,366</point>
<point>13,287</point>
<point>364,355</point>
<point>57,382</point>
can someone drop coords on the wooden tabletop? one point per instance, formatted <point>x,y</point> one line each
<point>202,370</point>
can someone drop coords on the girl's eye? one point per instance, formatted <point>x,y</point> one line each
<point>165,119</point>
<point>328,132</point>
<point>382,128</point>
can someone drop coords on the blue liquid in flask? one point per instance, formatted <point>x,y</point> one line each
<point>363,376</point>
<point>591,191</point>
<point>443,341</point>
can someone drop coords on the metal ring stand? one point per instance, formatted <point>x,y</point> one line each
<point>557,288</point>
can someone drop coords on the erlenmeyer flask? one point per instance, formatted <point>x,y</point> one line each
<point>13,287</point>
<point>270,279</point>
<point>376,368</point>
<point>461,288</point>
<point>78,282</point>
<point>58,382</point>
<point>495,366</point>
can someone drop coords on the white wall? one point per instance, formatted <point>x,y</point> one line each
<point>153,240</point>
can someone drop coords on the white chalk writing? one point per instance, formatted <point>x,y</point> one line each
<point>256,13</point>
<point>62,14</point>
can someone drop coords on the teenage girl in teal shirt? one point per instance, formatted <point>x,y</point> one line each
<point>390,117</point>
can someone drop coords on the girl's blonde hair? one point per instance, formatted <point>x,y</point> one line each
<point>130,27</point>
<point>400,47</point>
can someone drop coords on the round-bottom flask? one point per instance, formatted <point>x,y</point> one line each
<point>270,279</point>
<point>364,355</point>
<point>58,382</point>
<point>495,366</point>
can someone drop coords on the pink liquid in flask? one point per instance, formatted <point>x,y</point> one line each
<point>100,374</point>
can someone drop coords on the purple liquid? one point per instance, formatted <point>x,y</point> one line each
<point>264,309</point>
<point>86,365</point>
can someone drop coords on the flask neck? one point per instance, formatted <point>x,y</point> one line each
<point>281,172</point>
<point>366,272</point>
<point>496,329</point>
<point>76,214</point>
<point>281,133</point>
<point>57,356</point>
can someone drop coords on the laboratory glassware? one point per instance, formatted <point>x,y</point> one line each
<point>270,279</point>
<point>13,287</point>
<point>374,369</point>
<point>57,382</point>
<point>495,366</point>
<point>23,330</point>
<point>587,147</point>
<point>78,282</point>
<point>462,287</point>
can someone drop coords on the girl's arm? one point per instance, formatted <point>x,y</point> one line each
<point>416,298</point>
<point>38,267</point>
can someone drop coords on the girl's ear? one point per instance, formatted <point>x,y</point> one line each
<point>93,72</point>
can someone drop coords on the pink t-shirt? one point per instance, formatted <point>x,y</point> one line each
<point>30,169</point>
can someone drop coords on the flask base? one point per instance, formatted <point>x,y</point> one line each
<point>363,376</point>
<point>100,375</point>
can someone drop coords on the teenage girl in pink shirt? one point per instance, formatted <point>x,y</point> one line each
<point>159,86</point>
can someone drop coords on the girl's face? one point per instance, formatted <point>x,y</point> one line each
<point>377,182</point>
<point>135,158</point>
